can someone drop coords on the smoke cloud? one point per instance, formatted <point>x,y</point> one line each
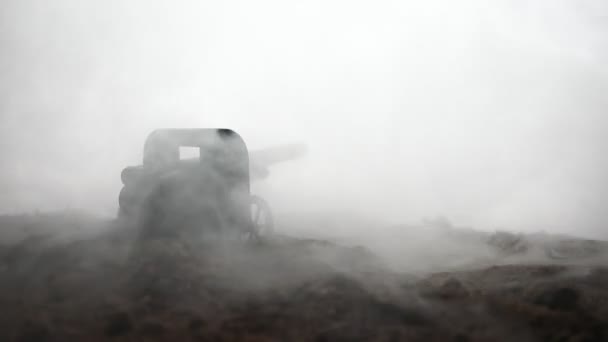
<point>492,116</point>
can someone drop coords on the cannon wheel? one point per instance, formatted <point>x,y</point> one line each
<point>262,222</point>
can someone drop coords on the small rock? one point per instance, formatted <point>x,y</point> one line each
<point>453,288</point>
<point>34,332</point>
<point>563,299</point>
<point>196,324</point>
<point>152,329</point>
<point>461,338</point>
<point>118,324</point>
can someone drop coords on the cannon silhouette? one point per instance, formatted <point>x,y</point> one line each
<point>210,194</point>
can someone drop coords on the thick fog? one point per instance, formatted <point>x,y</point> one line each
<point>491,114</point>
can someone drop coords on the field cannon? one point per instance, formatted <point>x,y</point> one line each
<point>170,194</point>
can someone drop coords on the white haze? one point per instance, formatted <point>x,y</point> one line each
<point>489,113</point>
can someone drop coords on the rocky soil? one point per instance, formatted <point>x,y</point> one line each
<point>107,286</point>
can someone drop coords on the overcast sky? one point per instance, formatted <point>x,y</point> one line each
<point>490,113</point>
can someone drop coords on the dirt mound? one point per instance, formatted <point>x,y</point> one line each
<point>107,287</point>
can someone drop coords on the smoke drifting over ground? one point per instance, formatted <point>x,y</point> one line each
<point>424,125</point>
<point>492,116</point>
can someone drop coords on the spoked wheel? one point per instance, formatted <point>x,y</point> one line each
<point>262,223</point>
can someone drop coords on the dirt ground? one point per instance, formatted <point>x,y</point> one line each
<point>107,287</point>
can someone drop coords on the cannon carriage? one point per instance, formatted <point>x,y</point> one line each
<point>206,195</point>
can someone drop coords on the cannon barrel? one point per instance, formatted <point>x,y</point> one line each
<point>259,162</point>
